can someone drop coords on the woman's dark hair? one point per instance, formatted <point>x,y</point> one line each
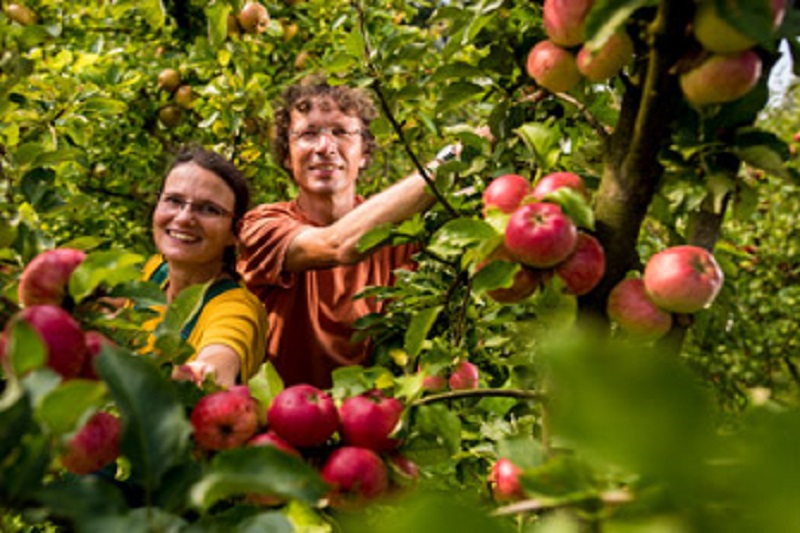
<point>300,97</point>
<point>233,177</point>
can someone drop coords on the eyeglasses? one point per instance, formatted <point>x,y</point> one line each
<point>311,136</point>
<point>173,204</point>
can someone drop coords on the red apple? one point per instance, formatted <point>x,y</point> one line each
<point>465,376</point>
<point>505,193</point>
<point>224,419</point>
<point>402,470</point>
<point>44,280</point>
<point>95,445</point>
<point>94,345</point>
<point>683,279</point>
<point>540,235</point>
<point>629,306</point>
<point>253,18</point>
<point>552,67</point>
<point>368,420</point>
<point>525,282</point>
<point>605,63</point>
<point>716,34</point>
<point>356,475</point>
<point>303,415</point>
<point>721,78</point>
<point>564,20</point>
<point>504,480</point>
<point>584,268</point>
<point>270,438</point>
<point>61,334</point>
<point>796,137</point>
<point>555,180</point>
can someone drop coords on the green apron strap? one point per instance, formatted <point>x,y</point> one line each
<point>218,287</point>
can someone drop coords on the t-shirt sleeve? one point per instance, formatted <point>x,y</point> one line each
<point>264,238</point>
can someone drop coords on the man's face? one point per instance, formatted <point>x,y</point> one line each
<point>326,149</point>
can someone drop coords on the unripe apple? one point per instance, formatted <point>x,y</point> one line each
<point>368,420</point>
<point>552,67</point>
<point>683,279</point>
<point>170,115</point>
<point>715,34</point>
<point>505,193</point>
<point>721,78</point>
<point>629,306</point>
<point>465,376</point>
<point>556,180</point>
<point>224,419</point>
<point>540,235</point>
<point>44,280</point>
<point>95,445</point>
<point>254,18</point>
<point>169,79</point>
<point>356,475</point>
<point>290,29</point>
<point>21,14</point>
<point>525,282</point>
<point>605,63</point>
<point>61,334</point>
<point>565,20</point>
<point>584,268</point>
<point>504,480</point>
<point>303,415</point>
<point>184,96</point>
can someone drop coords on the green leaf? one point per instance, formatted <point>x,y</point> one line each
<point>560,476</point>
<point>495,275</point>
<point>374,237</point>
<point>418,329</point>
<point>764,158</point>
<point>62,409</point>
<point>24,475</point>
<point>606,17</point>
<point>574,206</point>
<point>26,349</point>
<point>543,142</point>
<point>458,234</point>
<point>84,499</point>
<point>441,423</point>
<point>15,418</point>
<point>265,384</point>
<point>107,268</point>
<point>155,429</point>
<point>102,106</point>
<point>258,469</point>
<point>217,21</point>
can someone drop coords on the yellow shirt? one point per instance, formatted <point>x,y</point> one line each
<point>235,318</point>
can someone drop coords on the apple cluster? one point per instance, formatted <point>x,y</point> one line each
<point>540,237</point>
<point>679,279</point>
<point>69,351</point>
<point>353,445</point>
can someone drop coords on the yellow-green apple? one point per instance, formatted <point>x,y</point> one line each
<point>169,79</point>
<point>718,35</point>
<point>540,235</point>
<point>584,268</point>
<point>224,419</point>
<point>556,180</point>
<point>564,20</point>
<point>253,18</point>
<point>505,193</point>
<point>170,115</point>
<point>368,420</point>
<point>605,63</point>
<point>303,415</point>
<point>629,306</point>
<point>721,78</point>
<point>465,376</point>
<point>504,480</point>
<point>21,14</point>
<point>552,67</point>
<point>45,279</point>
<point>356,475</point>
<point>525,282</point>
<point>683,279</point>
<point>61,334</point>
<point>94,445</point>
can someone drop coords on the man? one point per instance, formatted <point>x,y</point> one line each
<point>300,257</point>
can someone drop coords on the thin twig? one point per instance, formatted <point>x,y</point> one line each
<point>590,118</point>
<point>614,497</point>
<point>479,393</point>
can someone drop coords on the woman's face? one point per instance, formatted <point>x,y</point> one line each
<point>192,220</point>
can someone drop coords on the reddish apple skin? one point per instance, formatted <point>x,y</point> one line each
<point>552,67</point>
<point>224,420</point>
<point>504,480</point>
<point>367,421</point>
<point>629,306</point>
<point>505,193</point>
<point>608,61</point>
<point>564,20</point>
<point>465,376</point>
<point>721,78</point>
<point>356,475</point>
<point>94,344</point>
<point>525,282</point>
<point>44,280</point>
<point>540,235</point>
<point>556,180</point>
<point>62,336</point>
<point>95,445</point>
<point>584,269</point>
<point>270,438</point>
<point>303,415</point>
<point>683,279</point>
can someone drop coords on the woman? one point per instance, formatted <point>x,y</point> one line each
<point>195,227</point>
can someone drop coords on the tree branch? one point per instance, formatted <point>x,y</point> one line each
<point>601,130</point>
<point>480,393</point>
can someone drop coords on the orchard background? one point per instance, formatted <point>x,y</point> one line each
<point>697,431</point>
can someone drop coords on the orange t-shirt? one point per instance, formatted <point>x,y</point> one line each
<point>310,313</point>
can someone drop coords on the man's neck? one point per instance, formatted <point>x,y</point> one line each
<point>327,209</point>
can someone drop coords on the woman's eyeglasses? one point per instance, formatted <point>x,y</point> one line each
<point>173,204</point>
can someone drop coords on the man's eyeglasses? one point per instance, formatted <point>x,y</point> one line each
<point>311,136</point>
<point>174,204</point>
